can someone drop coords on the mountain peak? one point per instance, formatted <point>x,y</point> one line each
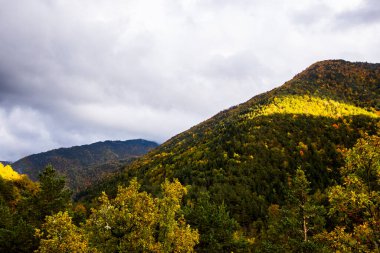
<point>356,83</point>
<point>343,67</point>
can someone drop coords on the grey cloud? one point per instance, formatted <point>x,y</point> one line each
<point>75,72</point>
<point>367,13</point>
<point>312,15</point>
<point>240,66</point>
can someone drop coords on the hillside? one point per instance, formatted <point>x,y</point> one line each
<point>83,165</point>
<point>244,156</point>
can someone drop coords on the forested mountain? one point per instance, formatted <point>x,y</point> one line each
<point>82,165</point>
<point>245,157</point>
<point>296,169</point>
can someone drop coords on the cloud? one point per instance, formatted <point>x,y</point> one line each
<point>75,72</point>
<point>367,12</point>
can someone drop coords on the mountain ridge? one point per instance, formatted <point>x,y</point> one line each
<point>81,164</point>
<point>263,98</point>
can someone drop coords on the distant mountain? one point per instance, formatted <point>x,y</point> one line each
<point>83,165</point>
<point>245,156</point>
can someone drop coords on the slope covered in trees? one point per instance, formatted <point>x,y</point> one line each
<point>244,157</point>
<point>83,165</point>
<point>39,217</point>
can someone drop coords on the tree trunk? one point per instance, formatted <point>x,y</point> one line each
<point>304,228</point>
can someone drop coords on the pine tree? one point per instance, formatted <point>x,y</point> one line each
<point>53,196</point>
<point>290,227</point>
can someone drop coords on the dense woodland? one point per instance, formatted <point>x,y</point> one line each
<point>296,169</point>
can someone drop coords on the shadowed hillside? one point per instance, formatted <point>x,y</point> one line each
<point>83,165</point>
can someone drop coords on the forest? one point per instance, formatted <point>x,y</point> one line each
<point>296,169</point>
<point>40,217</point>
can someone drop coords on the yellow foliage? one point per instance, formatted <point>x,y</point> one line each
<point>308,105</point>
<point>8,173</point>
<point>59,234</point>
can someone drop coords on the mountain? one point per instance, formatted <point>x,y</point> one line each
<point>83,165</point>
<point>245,156</point>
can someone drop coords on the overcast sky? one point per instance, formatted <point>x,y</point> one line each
<point>74,72</point>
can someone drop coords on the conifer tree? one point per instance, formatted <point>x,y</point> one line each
<point>53,196</point>
<point>290,227</point>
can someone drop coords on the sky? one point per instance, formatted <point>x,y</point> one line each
<point>75,72</point>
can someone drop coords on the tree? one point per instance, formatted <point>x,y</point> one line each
<point>308,214</point>
<point>53,196</point>
<point>8,173</point>
<point>217,229</point>
<point>355,205</point>
<point>124,223</point>
<point>59,234</point>
<point>136,222</point>
<point>174,234</point>
<point>291,226</point>
<point>16,234</point>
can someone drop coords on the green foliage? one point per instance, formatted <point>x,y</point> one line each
<point>216,227</point>
<point>25,204</point>
<point>16,234</point>
<point>246,163</point>
<point>355,205</point>
<point>53,196</point>
<point>291,227</point>
<point>16,231</point>
<point>136,222</point>
<point>308,213</point>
